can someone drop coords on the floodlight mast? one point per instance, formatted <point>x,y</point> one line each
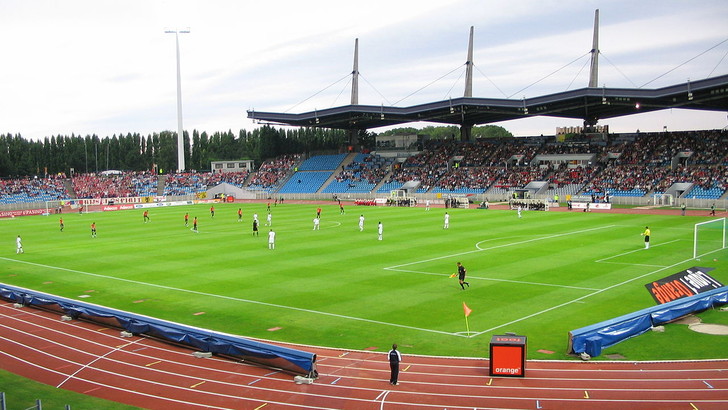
<point>180,139</point>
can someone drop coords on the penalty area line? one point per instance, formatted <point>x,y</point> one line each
<point>521,282</point>
<point>633,251</point>
<point>582,297</point>
<point>213,295</point>
<point>479,249</point>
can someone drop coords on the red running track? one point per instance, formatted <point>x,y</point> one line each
<point>97,361</point>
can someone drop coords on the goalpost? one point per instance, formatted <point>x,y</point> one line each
<point>709,236</point>
<point>663,199</point>
<point>52,207</point>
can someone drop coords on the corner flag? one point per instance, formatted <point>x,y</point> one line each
<point>467,310</point>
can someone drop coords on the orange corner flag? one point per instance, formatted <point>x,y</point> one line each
<point>467,310</point>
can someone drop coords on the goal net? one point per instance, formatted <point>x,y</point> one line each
<point>663,199</point>
<point>709,237</point>
<point>65,205</point>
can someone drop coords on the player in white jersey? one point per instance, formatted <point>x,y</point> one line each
<point>271,240</point>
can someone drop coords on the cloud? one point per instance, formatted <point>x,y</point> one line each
<point>104,67</point>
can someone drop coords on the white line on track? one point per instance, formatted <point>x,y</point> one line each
<point>71,376</point>
<point>235,386</point>
<point>477,388</point>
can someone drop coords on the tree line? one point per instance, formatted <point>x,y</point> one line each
<point>21,157</point>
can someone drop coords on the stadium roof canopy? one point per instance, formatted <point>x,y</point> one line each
<point>588,104</point>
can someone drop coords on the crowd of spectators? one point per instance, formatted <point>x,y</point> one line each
<point>565,175</point>
<point>128,184</point>
<point>626,178</point>
<point>193,182</point>
<point>427,175</point>
<point>272,173</point>
<point>470,178</point>
<point>42,188</point>
<point>371,169</point>
<point>518,177</point>
<point>638,163</point>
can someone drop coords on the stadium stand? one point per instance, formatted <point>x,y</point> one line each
<point>193,183</point>
<point>272,173</point>
<point>129,184</point>
<point>312,174</point>
<point>639,165</point>
<point>32,190</point>
<point>361,175</point>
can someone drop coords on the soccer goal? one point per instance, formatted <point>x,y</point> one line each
<point>709,236</point>
<point>57,207</point>
<point>663,200</point>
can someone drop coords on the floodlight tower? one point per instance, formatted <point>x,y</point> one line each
<point>180,139</point>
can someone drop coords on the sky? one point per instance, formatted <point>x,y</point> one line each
<point>107,67</point>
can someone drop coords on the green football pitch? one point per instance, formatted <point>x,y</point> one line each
<point>540,275</point>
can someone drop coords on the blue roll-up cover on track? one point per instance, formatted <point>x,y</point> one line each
<point>615,330</point>
<point>205,340</point>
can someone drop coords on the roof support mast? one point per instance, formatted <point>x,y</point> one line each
<point>354,133</point>
<point>466,130</point>
<point>355,75</point>
<point>590,121</point>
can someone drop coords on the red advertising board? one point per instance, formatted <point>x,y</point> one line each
<point>22,212</point>
<point>508,356</point>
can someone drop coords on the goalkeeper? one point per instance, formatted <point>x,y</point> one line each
<point>646,234</point>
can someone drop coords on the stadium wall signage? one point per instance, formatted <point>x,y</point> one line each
<point>682,284</point>
<point>596,205</point>
<point>22,212</point>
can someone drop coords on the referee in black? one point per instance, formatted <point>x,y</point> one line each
<point>461,275</point>
<point>394,359</point>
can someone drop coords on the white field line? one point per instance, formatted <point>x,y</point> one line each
<point>212,295</point>
<point>498,246</point>
<point>498,280</point>
<point>582,297</point>
<point>633,251</point>
<point>477,245</point>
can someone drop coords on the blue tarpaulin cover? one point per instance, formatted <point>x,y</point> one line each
<point>615,330</point>
<point>205,340</point>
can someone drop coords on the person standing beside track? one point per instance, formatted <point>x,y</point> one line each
<point>394,359</point>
